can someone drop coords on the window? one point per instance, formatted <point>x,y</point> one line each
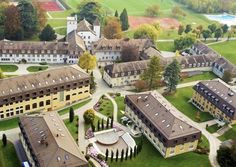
<point>68,97</point>
<point>47,102</point>
<point>27,107</point>
<point>41,104</point>
<point>35,105</point>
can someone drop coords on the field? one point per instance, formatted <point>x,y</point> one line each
<point>226,49</point>
<point>50,6</point>
<point>180,101</point>
<point>8,157</point>
<point>150,157</point>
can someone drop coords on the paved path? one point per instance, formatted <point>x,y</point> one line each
<point>115,107</point>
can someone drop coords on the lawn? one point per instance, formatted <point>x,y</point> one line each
<point>230,134</point>
<point>204,76</point>
<point>8,68</point>
<point>8,156</point>
<point>204,143</point>
<point>166,46</point>
<point>121,106</point>
<point>9,124</point>
<point>150,157</point>
<point>57,23</point>
<point>75,107</point>
<point>37,68</point>
<point>71,126</point>
<point>106,107</point>
<point>180,101</point>
<point>226,49</point>
<point>95,122</point>
<point>61,31</point>
<point>213,128</point>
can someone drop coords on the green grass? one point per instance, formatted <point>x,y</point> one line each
<point>71,126</point>
<point>75,107</point>
<point>61,31</point>
<point>8,156</point>
<point>150,157</point>
<point>204,76</point>
<point>57,23</point>
<point>226,49</point>
<point>95,122</point>
<point>121,106</point>
<point>204,143</point>
<point>180,101</point>
<point>213,128</point>
<point>230,134</point>
<point>106,107</point>
<point>37,68</point>
<point>8,68</point>
<point>9,124</point>
<point>166,46</point>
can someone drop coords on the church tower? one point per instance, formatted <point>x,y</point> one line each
<point>71,24</point>
<point>97,28</point>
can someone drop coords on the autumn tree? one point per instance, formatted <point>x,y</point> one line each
<point>140,85</point>
<point>124,20</point>
<point>172,75</point>
<point>89,116</point>
<point>227,77</point>
<point>41,14</point>
<point>129,53</point>
<point>180,29</point>
<point>153,73</point>
<point>146,31</point>
<point>177,11</point>
<point>152,10</point>
<point>47,34</point>
<point>112,28</point>
<point>12,26</point>
<point>87,61</point>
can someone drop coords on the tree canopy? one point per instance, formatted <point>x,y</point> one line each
<point>89,116</point>
<point>147,31</point>
<point>226,156</point>
<point>47,34</point>
<point>129,53</point>
<point>124,20</point>
<point>184,42</point>
<point>112,28</point>
<point>152,11</point>
<point>87,61</point>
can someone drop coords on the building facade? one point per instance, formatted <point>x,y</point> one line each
<point>154,115</point>
<point>35,52</point>
<point>108,51</point>
<point>88,32</point>
<point>217,98</point>
<point>123,74</point>
<point>48,143</point>
<point>43,91</point>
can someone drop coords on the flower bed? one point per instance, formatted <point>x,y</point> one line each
<point>92,152</point>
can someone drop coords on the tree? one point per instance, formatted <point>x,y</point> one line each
<point>171,75</point>
<point>112,120</point>
<point>116,14</point>
<point>89,116</point>
<point>135,151</point>
<point>227,77</point>
<point>12,24</point>
<point>112,29</point>
<point>218,33</point>
<point>87,61</point>
<point>152,10</point>
<point>140,85</point>
<point>131,153</point>
<point>4,139</point>
<point>98,125</point>
<point>124,20</point>
<point>71,114</point>
<point>126,153</point>
<point>92,127</point>
<point>1,74</point>
<point>117,155</point>
<point>177,11</point>
<point>41,14</point>
<point>226,155</point>
<point>107,125</point>
<point>184,42</point>
<point>28,15</point>
<point>102,124</point>
<point>181,29</point>
<point>212,28</point>
<point>129,53</point>
<point>188,28</point>
<point>92,82</point>
<point>107,153</point>
<point>47,34</point>
<point>122,155</point>
<point>112,155</point>
<point>89,10</point>
<point>2,33</point>
<point>225,28</point>
<point>146,31</point>
<point>153,73</point>
<point>206,34</point>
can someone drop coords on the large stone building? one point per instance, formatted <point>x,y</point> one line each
<point>89,33</point>
<point>35,52</point>
<point>43,91</point>
<point>123,74</point>
<point>158,120</point>
<point>48,143</point>
<point>108,51</point>
<point>217,98</point>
